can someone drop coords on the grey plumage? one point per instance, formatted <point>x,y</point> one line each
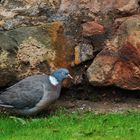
<point>32,94</point>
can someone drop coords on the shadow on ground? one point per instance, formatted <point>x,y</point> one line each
<point>103,99</point>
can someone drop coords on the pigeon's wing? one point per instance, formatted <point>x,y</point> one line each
<point>25,94</point>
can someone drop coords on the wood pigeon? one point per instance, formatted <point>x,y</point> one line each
<point>34,93</point>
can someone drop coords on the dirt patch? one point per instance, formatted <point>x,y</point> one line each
<point>99,99</point>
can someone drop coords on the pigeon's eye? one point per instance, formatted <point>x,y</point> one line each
<point>63,73</point>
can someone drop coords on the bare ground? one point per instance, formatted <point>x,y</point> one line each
<point>107,99</point>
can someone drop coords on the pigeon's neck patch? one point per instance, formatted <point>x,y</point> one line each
<point>53,80</point>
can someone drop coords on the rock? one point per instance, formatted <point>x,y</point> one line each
<point>79,10</point>
<point>83,52</point>
<point>95,6</point>
<point>17,13</point>
<point>31,50</point>
<point>128,6</point>
<point>119,62</point>
<point>93,19</point>
<point>92,28</point>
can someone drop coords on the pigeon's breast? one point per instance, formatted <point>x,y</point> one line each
<point>50,95</point>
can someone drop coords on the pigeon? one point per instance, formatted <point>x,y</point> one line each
<point>34,93</point>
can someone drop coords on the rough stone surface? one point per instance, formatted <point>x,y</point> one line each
<point>39,49</point>
<point>92,28</point>
<point>96,6</point>
<point>83,52</point>
<point>38,36</point>
<point>119,63</point>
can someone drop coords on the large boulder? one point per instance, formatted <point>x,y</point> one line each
<point>30,50</point>
<point>119,62</point>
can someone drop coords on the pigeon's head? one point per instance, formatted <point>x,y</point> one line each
<point>61,74</point>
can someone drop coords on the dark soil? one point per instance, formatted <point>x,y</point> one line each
<point>104,99</point>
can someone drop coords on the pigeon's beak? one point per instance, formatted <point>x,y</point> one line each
<point>70,76</point>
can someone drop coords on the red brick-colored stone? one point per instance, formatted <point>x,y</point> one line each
<point>92,28</point>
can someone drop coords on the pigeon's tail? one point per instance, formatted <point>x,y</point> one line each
<point>6,106</point>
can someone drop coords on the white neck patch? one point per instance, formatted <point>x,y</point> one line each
<point>53,80</point>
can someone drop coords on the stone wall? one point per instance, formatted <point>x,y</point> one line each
<point>39,36</point>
